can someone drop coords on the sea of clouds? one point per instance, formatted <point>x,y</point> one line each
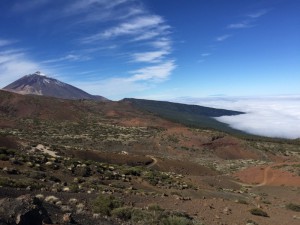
<point>275,116</point>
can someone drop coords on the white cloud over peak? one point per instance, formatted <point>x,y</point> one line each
<point>14,64</point>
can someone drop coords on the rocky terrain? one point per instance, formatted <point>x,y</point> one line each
<point>111,163</point>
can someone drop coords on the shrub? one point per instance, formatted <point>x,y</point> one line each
<point>293,207</point>
<point>123,213</point>
<point>20,183</point>
<point>135,171</point>
<point>83,171</point>
<point>4,157</point>
<point>54,179</point>
<point>176,220</point>
<point>141,216</point>
<point>74,188</point>
<point>3,149</point>
<point>258,212</point>
<point>154,177</point>
<point>11,151</point>
<point>37,175</point>
<point>105,204</point>
<point>155,207</point>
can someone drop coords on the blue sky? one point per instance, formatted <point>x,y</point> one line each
<point>157,49</point>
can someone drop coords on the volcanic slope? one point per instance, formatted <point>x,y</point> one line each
<point>39,84</point>
<point>111,161</point>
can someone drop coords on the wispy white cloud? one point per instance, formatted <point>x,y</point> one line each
<point>151,57</point>
<point>148,35</point>
<point>258,13</point>
<point>14,64</point>
<point>101,10</point>
<point>156,73</point>
<point>142,29</point>
<point>248,23</point>
<point>69,57</point>
<point>240,25</point>
<point>114,88</point>
<point>140,80</point>
<point>153,32</point>
<point>162,43</point>
<point>134,27</point>
<point>24,6</point>
<point>205,54</point>
<point>223,37</point>
<point>277,116</point>
<point>4,42</point>
<point>79,6</point>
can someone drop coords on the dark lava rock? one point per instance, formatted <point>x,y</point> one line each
<point>24,210</point>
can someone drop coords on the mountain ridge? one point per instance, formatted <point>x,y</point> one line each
<point>189,115</point>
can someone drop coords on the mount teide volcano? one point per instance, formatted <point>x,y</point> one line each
<point>39,84</point>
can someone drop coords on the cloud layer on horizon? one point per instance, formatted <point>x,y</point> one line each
<point>266,116</point>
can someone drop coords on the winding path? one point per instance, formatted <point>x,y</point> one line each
<point>154,162</point>
<point>269,174</point>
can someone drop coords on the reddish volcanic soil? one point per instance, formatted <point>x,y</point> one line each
<point>271,175</point>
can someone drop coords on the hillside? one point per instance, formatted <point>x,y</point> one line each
<point>111,163</point>
<point>189,115</point>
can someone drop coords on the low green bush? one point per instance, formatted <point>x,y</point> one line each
<point>21,183</point>
<point>122,213</point>
<point>105,204</point>
<point>176,220</point>
<point>4,157</point>
<point>135,171</point>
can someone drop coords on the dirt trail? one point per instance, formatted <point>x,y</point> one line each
<point>269,175</point>
<point>154,162</point>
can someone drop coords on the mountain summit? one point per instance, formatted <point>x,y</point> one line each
<point>39,84</point>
